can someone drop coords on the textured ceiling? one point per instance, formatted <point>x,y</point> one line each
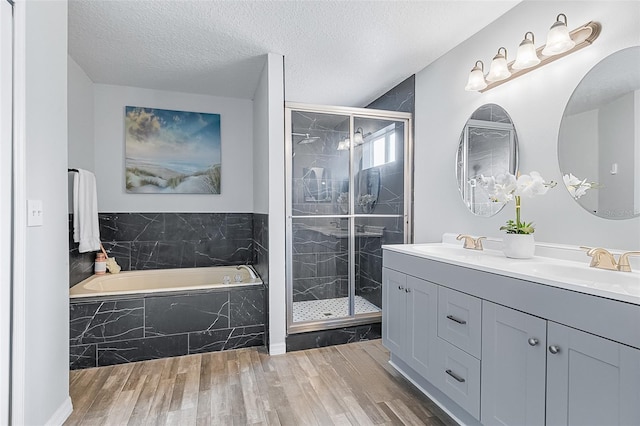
<point>336,52</point>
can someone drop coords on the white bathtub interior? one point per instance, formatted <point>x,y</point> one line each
<point>164,280</point>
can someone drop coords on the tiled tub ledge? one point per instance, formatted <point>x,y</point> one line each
<point>119,329</point>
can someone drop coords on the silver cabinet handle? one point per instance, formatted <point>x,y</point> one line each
<point>532,341</point>
<point>454,319</point>
<point>407,290</point>
<point>400,287</point>
<point>455,376</point>
<point>554,349</point>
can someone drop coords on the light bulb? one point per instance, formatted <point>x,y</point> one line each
<point>558,38</point>
<point>358,138</point>
<point>343,145</point>
<point>499,69</point>
<point>526,57</point>
<point>476,78</point>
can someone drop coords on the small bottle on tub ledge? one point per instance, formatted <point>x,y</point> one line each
<point>100,265</point>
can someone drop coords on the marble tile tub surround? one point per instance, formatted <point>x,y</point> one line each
<point>168,240</point>
<point>261,260</point>
<point>142,327</point>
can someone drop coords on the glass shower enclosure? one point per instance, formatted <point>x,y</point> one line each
<point>348,193</point>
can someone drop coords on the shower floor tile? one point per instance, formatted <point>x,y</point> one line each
<point>313,310</point>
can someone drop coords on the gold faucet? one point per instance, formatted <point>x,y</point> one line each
<point>623,263</point>
<point>470,242</point>
<point>603,259</point>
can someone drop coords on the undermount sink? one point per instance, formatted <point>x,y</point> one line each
<point>629,282</point>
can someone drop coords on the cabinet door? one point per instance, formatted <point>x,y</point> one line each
<point>422,327</point>
<point>394,314</point>
<point>513,367</point>
<point>591,380</point>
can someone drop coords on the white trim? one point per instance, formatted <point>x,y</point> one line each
<point>277,257</point>
<point>62,413</point>
<point>18,371</point>
<point>6,125</point>
<point>277,349</point>
<point>428,394</point>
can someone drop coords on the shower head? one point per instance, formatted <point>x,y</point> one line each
<point>306,138</point>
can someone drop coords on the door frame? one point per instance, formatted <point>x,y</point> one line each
<point>6,220</point>
<point>351,114</point>
<point>18,314</point>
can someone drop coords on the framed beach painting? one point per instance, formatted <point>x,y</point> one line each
<point>171,152</point>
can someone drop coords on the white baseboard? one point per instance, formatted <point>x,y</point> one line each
<point>277,348</point>
<point>62,413</point>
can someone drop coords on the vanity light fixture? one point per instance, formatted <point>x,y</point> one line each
<point>560,43</point>
<point>476,78</point>
<point>558,38</point>
<point>527,56</point>
<point>499,69</point>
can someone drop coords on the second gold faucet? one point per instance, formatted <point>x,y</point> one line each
<point>602,259</point>
<point>470,242</point>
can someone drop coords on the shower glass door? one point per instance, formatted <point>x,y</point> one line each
<point>346,197</point>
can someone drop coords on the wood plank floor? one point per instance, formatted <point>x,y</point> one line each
<point>350,384</point>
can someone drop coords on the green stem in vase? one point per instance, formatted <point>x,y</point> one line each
<point>518,226</point>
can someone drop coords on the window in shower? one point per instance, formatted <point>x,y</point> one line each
<point>346,197</point>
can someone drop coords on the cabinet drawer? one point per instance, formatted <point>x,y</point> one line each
<point>460,320</point>
<point>459,377</point>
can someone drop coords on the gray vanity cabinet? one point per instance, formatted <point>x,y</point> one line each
<point>409,320</point>
<point>591,380</point>
<point>498,350</point>
<point>513,367</point>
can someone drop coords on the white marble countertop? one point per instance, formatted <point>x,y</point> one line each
<point>555,265</point>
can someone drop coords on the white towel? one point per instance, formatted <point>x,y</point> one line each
<point>85,212</point>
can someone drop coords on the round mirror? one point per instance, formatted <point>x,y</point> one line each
<point>488,147</point>
<point>599,139</point>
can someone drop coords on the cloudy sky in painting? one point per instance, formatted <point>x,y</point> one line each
<point>183,141</point>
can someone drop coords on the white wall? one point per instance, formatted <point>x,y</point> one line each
<point>536,103</point>
<point>261,143</point>
<point>236,117</point>
<point>580,131</point>
<point>616,122</point>
<point>81,152</point>
<point>46,332</point>
<point>6,223</point>
<point>636,152</point>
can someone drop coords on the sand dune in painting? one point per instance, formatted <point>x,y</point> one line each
<point>144,177</point>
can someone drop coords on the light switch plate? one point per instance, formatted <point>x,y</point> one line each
<point>34,213</point>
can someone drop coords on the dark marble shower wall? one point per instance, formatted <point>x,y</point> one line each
<point>319,260</point>
<point>401,98</point>
<point>168,240</point>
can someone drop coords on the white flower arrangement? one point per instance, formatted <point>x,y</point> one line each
<point>576,187</point>
<point>507,187</point>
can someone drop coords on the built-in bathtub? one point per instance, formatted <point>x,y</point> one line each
<point>142,315</point>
